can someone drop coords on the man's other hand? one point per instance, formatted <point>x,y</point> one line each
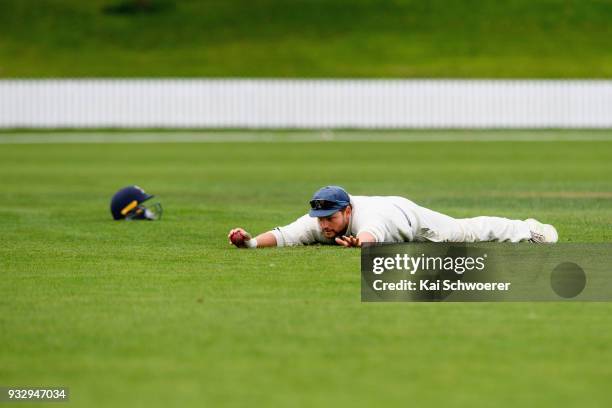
<point>348,241</point>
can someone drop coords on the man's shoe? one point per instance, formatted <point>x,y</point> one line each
<point>542,233</point>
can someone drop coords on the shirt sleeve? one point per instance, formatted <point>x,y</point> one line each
<point>302,231</point>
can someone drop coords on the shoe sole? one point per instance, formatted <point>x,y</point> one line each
<point>551,232</point>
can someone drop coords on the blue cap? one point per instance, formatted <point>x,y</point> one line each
<point>328,200</point>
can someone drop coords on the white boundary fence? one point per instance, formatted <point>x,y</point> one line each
<point>262,103</point>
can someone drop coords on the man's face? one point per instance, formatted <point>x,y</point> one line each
<point>336,224</point>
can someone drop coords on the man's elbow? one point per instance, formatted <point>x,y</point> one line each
<point>365,237</point>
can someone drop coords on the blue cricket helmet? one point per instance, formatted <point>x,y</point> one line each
<point>127,203</point>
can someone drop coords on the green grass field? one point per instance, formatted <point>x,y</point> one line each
<point>309,38</point>
<point>167,314</point>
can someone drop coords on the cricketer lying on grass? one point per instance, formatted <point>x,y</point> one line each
<point>338,218</point>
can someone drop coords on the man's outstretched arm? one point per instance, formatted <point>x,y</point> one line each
<point>300,232</point>
<point>242,239</point>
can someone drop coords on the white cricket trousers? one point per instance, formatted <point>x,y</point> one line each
<point>436,227</point>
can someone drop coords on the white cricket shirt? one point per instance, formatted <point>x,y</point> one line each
<point>388,219</point>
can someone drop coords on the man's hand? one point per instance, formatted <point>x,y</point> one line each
<point>239,237</point>
<point>348,241</point>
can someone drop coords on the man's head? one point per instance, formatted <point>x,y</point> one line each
<point>331,205</point>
